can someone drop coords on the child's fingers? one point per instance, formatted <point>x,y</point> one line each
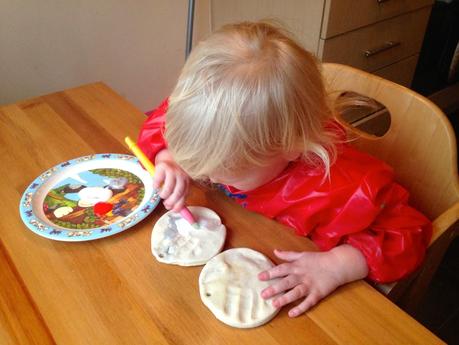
<point>288,256</point>
<point>177,207</point>
<point>176,200</point>
<point>280,286</point>
<point>294,294</point>
<point>178,192</point>
<point>277,271</point>
<point>168,186</point>
<point>158,178</point>
<point>175,203</point>
<point>310,301</point>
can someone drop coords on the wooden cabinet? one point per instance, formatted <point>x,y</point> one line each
<point>380,36</point>
<point>302,17</point>
<point>345,15</point>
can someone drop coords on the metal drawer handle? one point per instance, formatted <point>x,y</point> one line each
<point>387,45</point>
<point>381,1</point>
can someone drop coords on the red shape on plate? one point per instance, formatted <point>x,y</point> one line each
<point>102,208</point>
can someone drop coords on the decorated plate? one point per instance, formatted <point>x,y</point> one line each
<point>89,198</point>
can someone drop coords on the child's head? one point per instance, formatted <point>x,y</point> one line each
<point>248,96</point>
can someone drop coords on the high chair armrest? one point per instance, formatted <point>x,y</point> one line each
<point>444,221</point>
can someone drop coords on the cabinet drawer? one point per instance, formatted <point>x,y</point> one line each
<point>401,72</point>
<point>406,32</point>
<point>346,15</point>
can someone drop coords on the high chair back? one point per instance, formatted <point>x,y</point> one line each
<point>421,147</point>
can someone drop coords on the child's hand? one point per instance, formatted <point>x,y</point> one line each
<point>172,181</point>
<point>311,276</point>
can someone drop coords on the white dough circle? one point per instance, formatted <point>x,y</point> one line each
<point>175,241</point>
<point>230,288</point>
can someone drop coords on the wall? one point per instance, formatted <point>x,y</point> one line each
<point>135,47</point>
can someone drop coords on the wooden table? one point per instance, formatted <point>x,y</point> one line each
<point>112,290</point>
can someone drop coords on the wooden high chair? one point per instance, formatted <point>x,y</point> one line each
<point>421,147</point>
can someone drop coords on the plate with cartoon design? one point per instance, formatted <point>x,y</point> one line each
<point>88,198</point>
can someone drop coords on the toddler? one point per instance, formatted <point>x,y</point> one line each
<point>250,112</point>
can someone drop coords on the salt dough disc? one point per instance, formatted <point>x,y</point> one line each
<point>175,241</point>
<point>229,287</point>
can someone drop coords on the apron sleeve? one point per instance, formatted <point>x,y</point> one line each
<point>151,138</point>
<point>395,243</point>
<point>377,220</point>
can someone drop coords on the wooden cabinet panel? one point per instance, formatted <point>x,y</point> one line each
<point>405,31</point>
<point>302,17</point>
<point>345,15</point>
<point>401,72</point>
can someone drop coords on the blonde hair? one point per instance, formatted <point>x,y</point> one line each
<point>248,93</point>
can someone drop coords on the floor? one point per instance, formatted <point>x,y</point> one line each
<point>439,311</point>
